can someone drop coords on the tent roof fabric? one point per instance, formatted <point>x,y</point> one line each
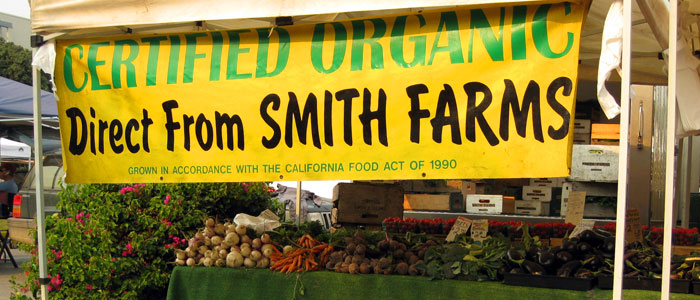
<point>16,99</point>
<point>12,149</point>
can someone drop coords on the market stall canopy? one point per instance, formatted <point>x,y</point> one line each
<point>86,18</point>
<point>10,149</point>
<point>16,101</point>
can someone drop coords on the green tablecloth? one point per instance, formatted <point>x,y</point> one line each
<point>202,283</point>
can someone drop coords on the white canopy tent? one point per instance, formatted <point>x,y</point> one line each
<point>10,149</point>
<point>65,19</point>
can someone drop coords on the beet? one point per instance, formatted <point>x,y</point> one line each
<point>364,268</point>
<point>360,249</point>
<point>383,263</point>
<point>413,271</point>
<point>402,268</point>
<point>353,268</point>
<point>350,248</point>
<point>356,259</point>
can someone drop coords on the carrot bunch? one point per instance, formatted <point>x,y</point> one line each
<point>303,258</point>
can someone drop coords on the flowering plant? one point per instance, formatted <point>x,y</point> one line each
<point>116,242</point>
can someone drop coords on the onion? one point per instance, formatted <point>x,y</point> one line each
<point>214,255</point>
<point>198,236</point>
<point>255,255</point>
<point>223,253</point>
<point>220,229</point>
<point>245,251</point>
<point>180,262</point>
<point>267,252</point>
<point>234,260</point>
<point>190,262</point>
<point>245,245</point>
<point>263,263</point>
<point>287,249</point>
<point>203,249</point>
<point>209,222</point>
<point>231,228</point>
<point>190,252</point>
<point>245,239</point>
<point>249,263</point>
<point>225,245</point>
<point>207,262</point>
<point>220,262</point>
<point>265,238</point>
<point>256,243</point>
<point>180,254</point>
<point>232,238</point>
<point>208,232</point>
<point>241,229</point>
<point>216,240</point>
<point>236,248</point>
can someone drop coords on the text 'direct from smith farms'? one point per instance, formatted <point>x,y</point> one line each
<point>463,93</point>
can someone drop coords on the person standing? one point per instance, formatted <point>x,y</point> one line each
<point>8,187</point>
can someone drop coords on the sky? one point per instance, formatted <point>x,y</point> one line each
<point>18,8</point>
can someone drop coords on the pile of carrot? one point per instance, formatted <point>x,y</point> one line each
<point>302,258</point>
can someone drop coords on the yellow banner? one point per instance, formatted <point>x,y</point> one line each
<point>468,93</point>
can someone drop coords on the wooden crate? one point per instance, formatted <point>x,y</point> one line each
<point>366,203</point>
<point>605,134</point>
<point>532,208</point>
<point>19,230</point>
<point>582,126</point>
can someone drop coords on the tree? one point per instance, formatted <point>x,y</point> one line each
<point>16,64</point>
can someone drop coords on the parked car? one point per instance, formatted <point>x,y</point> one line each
<point>53,174</point>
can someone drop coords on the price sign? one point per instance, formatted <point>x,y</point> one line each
<point>480,229</point>
<point>461,226</point>
<point>633,228</point>
<point>575,206</point>
<point>268,214</point>
<point>581,227</point>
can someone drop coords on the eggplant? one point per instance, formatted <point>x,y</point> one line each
<point>516,271</point>
<point>546,259</point>
<point>594,262</point>
<point>533,267</point>
<point>515,255</point>
<point>569,246</point>
<point>583,247</point>
<point>568,268</point>
<point>502,270</point>
<point>564,257</point>
<point>532,253</point>
<point>608,245</point>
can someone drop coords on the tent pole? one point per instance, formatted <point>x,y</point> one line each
<point>669,221</point>
<point>39,180</point>
<point>623,154</point>
<point>298,203</point>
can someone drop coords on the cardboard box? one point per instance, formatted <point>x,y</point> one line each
<point>582,126</point>
<point>436,202</point>
<point>463,186</point>
<point>428,187</point>
<point>532,208</point>
<point>19,230</point>
<point>489,204</point>
<point>594,163</point>
<point>366,203</point>
<point>582,138</point>
<point>537,193</point>
<point>551,182</point>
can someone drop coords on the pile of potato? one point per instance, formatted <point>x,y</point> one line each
<point>387,257</point>
<point>225,244</point>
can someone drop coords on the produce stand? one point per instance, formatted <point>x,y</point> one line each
<point>133,13</point>
<point>217,283</point>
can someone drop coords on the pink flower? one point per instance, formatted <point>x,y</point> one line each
<point>167,246</point>
<point>114,259</point>
<point>124,253</point>
<point>245,187</point>
<point>89,287</point>
<point>129,247</point>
